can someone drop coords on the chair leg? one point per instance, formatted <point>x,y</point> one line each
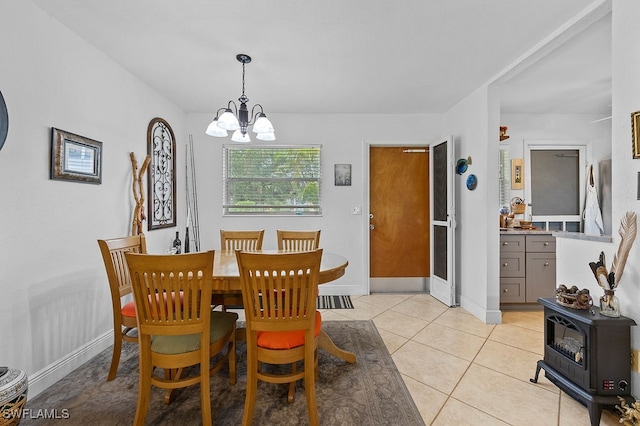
<point>205,400</point>
<point>310,387</point>
<point>233,375</point>
<point>252,388</point>
<point>292,385</point>
<point>315,362</point>
<point>115,357</point>
<point>144,387</point>
<point>173,374</point>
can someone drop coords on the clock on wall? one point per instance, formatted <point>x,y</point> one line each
<point>4,121</point>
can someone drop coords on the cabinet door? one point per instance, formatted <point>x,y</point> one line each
<point>512,264</point>
<point>541,276</point>
<point>512,290</point>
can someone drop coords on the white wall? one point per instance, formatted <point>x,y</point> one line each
<point>55,297</point>
<point>573,256</point>
<point>526,127</point>
<point>343,140</point>
<point>474,123</point>
<point>626,68</point>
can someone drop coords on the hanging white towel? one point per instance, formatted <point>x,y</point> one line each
<point>592,216</point>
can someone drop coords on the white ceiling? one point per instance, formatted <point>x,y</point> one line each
<point>358,56</point>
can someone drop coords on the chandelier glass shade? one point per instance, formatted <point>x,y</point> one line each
<point>237,119</point>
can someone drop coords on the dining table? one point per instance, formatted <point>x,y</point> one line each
<point>226,280</point>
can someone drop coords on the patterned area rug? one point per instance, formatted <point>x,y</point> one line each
<point>334,302</point>
<point>369,392</point>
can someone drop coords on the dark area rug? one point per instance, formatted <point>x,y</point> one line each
<point>369,392</point>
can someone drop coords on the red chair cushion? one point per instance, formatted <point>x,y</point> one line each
<point>129,310</point>
<point>286,339</point>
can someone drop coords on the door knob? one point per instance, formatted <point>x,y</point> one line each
<point>372,227</point>
<point>370,215</point>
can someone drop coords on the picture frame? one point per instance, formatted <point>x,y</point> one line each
<point>161,201</point>
<point>342,174</point>
<point>75,158</point>
<point>517,173</point>
<point>635,133</point>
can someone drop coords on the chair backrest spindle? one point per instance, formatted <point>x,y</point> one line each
<point>241,240</point>
<point>298,240</point>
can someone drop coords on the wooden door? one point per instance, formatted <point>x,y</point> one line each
<point>399,211</point>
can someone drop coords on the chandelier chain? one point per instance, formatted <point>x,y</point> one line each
<point>243,98</point>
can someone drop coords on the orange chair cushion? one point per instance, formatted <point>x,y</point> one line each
<point>129,310</point>
<point>286,339</point>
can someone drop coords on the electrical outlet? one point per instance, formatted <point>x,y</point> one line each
<point>635,360</point>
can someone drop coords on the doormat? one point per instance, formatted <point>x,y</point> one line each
<point>334,302</point>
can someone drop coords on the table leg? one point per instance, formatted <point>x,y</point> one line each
<point>325,342</point>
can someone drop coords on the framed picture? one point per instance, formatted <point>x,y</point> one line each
<point>161,148</point>
<point>635,130</point>
<point>75,158</point>
<point>517,173</point>
<point>342,174</point>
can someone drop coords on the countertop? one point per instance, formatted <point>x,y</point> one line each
<point>557,234</point>
<point>520,231</point>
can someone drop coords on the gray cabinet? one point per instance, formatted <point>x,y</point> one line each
<point>527,267</point>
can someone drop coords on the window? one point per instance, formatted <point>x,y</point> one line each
<point>556,189</point>
<point>271,180</point>
<point>504,179</point>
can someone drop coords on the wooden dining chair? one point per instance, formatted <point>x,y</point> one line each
<point>175,335</point>
<point>237,240</point>
<point>124,316</point>
<point>279,293</point>
<point>241,240</point>
<point>298,240</point>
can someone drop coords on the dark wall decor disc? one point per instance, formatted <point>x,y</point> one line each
<point>4,121</point>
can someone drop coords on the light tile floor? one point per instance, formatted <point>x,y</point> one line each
<point>461,371</point>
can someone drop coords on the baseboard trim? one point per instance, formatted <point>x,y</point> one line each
<point>41,380</point>
<point>341,290</point>
<point>485,315</point>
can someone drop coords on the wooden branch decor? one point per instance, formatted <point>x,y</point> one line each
<point>138,194</point>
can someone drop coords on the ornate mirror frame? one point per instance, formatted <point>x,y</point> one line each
<point>161,147</point>
<point>4,121</point>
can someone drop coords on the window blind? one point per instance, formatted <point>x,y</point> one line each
<point>505,179</point>
<point>271,180</point>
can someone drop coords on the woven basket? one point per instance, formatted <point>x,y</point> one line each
<point>518,208</point>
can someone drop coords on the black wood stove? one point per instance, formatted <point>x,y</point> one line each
<point>587,355</point>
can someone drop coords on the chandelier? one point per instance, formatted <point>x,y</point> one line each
<point>238,120</point>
